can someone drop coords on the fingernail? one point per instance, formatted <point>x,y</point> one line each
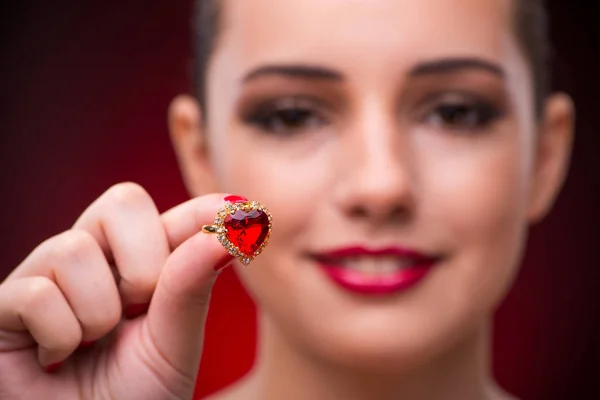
<point>86,344</point>
<point>53,367</point>
<point>135,310</point>
<point>223,262</point>
<point>236,199</point>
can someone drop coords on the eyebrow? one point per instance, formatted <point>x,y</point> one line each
<point>441,66</point>
<point>295,71</point>
<point>449,65</point>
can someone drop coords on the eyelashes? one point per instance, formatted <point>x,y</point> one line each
<point>452,112</point>
<point>287,116</point>
<point>461,113</point>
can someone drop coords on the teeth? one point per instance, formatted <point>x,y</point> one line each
<point>375,265</point>
<point>389,265</point>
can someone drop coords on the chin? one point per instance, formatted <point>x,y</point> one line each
<point>377,334</point>
<point>377,356</point>
<point>385,346</point>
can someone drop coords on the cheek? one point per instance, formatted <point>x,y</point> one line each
<point>289,178</point>
<point>480,203</point>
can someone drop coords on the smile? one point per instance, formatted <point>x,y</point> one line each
<point>375,272</point>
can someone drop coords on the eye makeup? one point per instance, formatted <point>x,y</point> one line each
<point>286,115</point>
<point>466,102</point>
<point>459,111</point>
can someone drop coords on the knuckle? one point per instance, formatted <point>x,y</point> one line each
<point>73,244</point>
<point>39,288</point>
<point>40,292</point>
<point>128,194</point>
<point>143,282</point>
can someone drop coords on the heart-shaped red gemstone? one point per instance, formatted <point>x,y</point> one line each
<point>247,230</point>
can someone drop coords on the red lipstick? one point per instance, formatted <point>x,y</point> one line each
<point>382,271</point>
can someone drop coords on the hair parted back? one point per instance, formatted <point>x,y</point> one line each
<point>530,24</point>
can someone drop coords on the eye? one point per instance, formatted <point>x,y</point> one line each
<point>462,115</point>
<point>287,116</point>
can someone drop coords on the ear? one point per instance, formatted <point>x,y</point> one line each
<point>553,154</point>
<point>189,141</point>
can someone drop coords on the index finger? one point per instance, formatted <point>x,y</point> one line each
<point>186,219</point>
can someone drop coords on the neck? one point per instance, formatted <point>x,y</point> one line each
<point>282,370</point>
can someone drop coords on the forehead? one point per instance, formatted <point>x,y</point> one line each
<point>375,32</point>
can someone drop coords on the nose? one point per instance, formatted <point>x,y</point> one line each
<point>377,181</point>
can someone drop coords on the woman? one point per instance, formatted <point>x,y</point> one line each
<point>403,148</point>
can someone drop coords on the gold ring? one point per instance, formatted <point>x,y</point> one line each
<point>243,228</point>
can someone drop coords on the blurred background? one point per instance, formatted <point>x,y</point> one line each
<point>85,88</point>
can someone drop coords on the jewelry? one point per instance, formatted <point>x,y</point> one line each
<point>243,228</point>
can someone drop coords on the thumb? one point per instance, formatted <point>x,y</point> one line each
<point>177,313</point>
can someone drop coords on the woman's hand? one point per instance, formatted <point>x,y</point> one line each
<point>114,308</point>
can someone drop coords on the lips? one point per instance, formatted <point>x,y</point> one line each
<point>375,271</point>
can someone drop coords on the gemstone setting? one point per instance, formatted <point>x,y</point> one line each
<point>244,228</point>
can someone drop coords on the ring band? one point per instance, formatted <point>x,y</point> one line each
<point>209,229</point>
<point>243,228</point>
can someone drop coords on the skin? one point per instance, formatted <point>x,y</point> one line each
<point>372,164</point>
<point>378,173</point>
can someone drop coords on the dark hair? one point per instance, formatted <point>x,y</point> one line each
<point>531,27</point>
<point>206,31</point>
<point>533,32</point>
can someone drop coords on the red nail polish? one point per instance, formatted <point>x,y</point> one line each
<point>53,367</point>
<point>86,344</point>
<point>135,310</point>
<point>223,262</point>
<point>236,199</point>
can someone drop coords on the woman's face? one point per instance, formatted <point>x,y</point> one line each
<point>381,125</point>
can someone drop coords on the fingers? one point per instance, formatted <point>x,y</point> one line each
<point>185,220</point>
<point>179,307</point>
<point>74,262</point>
<point>65,291</point>
<point>126,224</point>
<point>37,305</point>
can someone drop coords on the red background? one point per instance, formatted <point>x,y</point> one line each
<point>85,88</point>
